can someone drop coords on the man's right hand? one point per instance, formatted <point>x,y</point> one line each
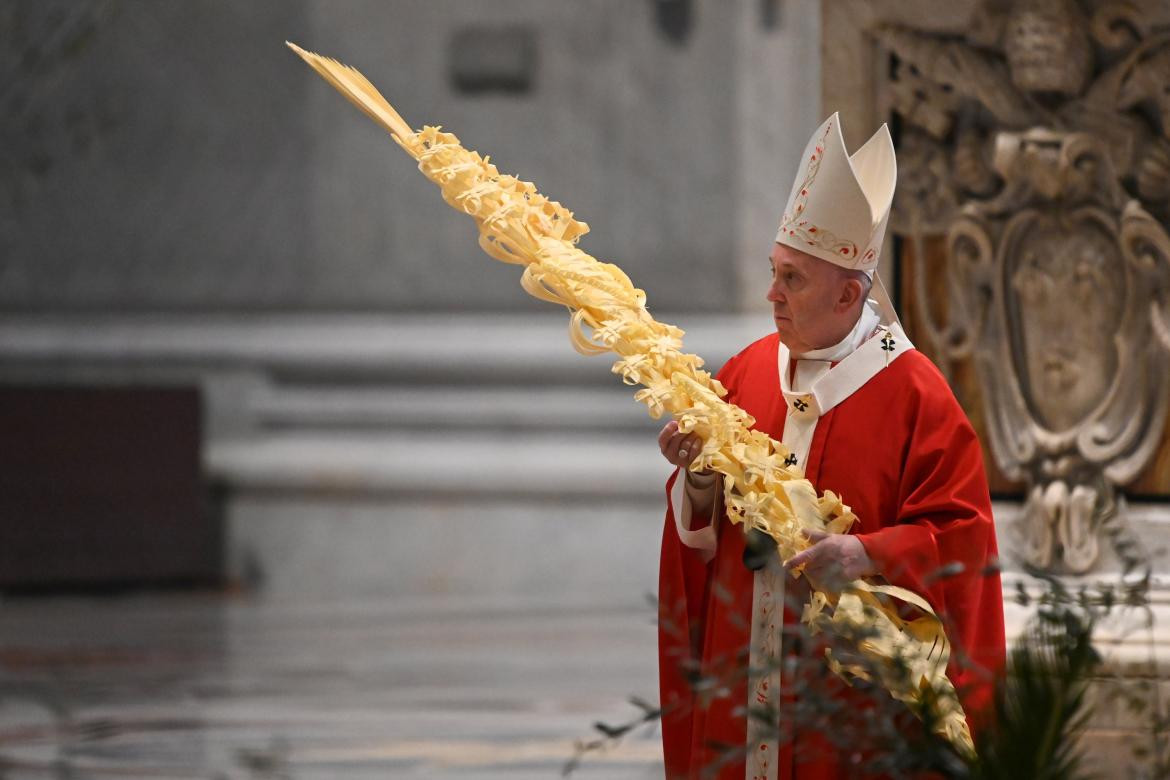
<point>680,449</point>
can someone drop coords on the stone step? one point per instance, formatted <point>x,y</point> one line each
<point>388,455</point>
<point>443,407</point>
<point>595,550</point>
<point>463,349</point>
<point>421,463</point>
<point>399,512</point>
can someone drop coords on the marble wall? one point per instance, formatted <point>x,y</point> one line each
<point>182,201</point>
<point>214,172</point>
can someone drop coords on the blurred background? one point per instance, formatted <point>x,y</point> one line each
<point>297,482</point>
<point>189,209</point>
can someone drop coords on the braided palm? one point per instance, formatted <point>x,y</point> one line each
<point>518,225</point>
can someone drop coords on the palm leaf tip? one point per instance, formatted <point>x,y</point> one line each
<point>357,89</point>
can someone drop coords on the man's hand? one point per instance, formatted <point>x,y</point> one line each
<point>680,449</point>
<point>833,561</point>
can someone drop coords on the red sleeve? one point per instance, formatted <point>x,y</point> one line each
<point>682,593</point>
<point>682,578</point>
<point>942,540</point>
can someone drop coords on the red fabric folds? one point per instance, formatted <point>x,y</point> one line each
<point>906,460</point>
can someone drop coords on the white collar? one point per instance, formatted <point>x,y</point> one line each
<point>862,359</point>
<point>867,322</point>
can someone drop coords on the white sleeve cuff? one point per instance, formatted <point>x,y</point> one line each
<point>702,539</point>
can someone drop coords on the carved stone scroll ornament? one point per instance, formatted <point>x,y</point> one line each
<point>1038,141</point>
<point>1062,295</point>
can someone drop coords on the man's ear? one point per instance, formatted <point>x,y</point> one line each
<point>851,293</point>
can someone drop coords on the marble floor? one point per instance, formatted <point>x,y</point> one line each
<point>208,686</point>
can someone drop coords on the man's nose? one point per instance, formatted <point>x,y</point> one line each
<point>774,295</point>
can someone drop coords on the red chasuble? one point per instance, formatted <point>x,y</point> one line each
<point>902,454</point>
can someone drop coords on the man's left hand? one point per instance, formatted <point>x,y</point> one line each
<point>833,560</point>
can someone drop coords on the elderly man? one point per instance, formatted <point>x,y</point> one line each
<point>863,414</point>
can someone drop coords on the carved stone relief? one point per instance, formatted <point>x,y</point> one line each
<point>1038,141</point>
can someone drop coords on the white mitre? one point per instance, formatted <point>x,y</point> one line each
<point>840,203</point>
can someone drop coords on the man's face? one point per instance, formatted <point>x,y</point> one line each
<point>804,294</point>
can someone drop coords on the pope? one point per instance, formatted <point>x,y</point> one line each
<point>863,414</point>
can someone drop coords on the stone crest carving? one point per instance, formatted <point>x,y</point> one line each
<point>1039,143</point>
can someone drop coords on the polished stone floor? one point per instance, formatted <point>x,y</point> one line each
<point>183,686</point>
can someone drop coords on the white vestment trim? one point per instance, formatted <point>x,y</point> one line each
<point>816,387</point>
<point>702,539</point>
